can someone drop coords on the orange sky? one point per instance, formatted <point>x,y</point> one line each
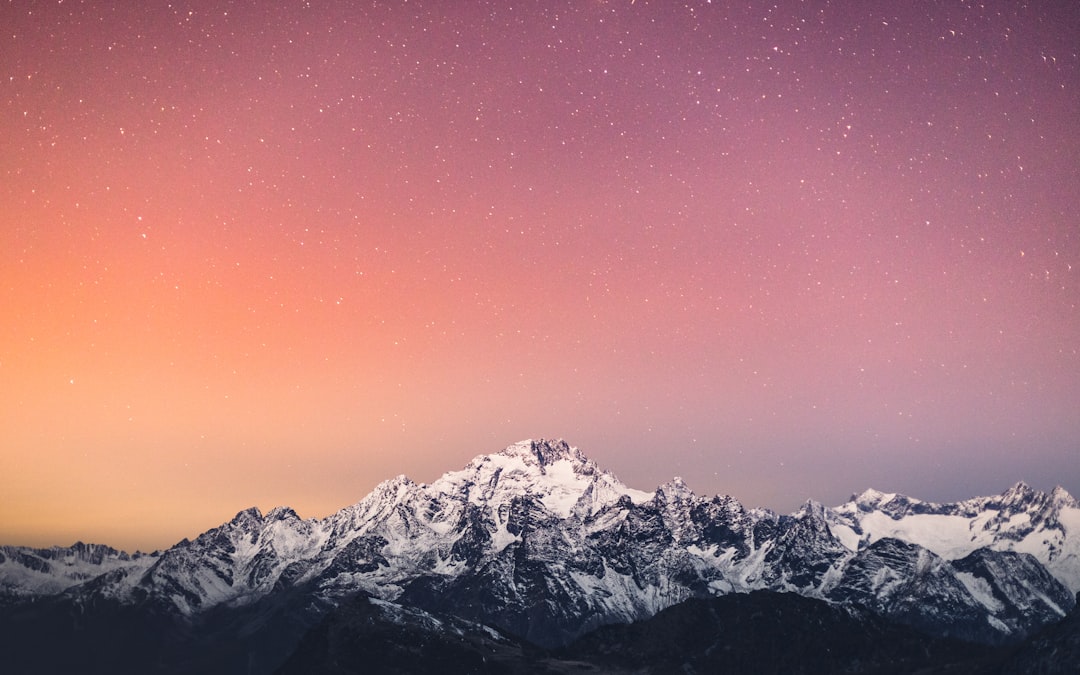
<point>272,255</point>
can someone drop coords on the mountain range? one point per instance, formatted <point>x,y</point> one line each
<point>533,548</point>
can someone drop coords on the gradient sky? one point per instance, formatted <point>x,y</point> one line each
<point>272,253</point>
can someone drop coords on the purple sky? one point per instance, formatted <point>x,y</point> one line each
<point>264,253</point>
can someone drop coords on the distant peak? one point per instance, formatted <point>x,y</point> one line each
<point>393,485</point>
<point>872,497</point>
<point>1019,492</point>
<point>248,514</point>
<point>676,488</point>
<point>282,513</point>
<point>1061,496</point>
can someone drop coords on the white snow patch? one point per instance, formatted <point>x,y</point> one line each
<point>1066,564</point>
<point>884,581</point>
<point>979,589</point>
<point>721,587</point>
<point>1042,596</point>
<point>564,487</point>
<point>1070,520</point>
<point>998,624</point>
<point>695,550</point>
<point>1017,520</point>
<point>846,534</point>
<point>948,536</point>
<point>502,538</point>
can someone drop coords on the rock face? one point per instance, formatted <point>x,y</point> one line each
<point>539,542</point>
<point>988,596</point>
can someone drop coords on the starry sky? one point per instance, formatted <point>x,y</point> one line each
<point>272,253</point>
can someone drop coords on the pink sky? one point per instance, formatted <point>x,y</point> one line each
<point>274,253</point>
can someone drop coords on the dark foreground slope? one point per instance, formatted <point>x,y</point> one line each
<point>766,632</point>
<point>1055,649</point>
<point>760,632</point>
<point>366,635</point>
<point>100,636</point>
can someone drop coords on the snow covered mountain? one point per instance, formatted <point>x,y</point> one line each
<point>539,542</point>
<point>27,573</point>
<point>1046,525</point>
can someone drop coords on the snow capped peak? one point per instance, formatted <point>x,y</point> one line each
<point>552,472</point>
<point>675,490</point>
<point>894,504</point>
<point>381,499</point>
<point>811,509</point>
<point>281,513</point>
<point>391,490</point>
<point>248,520</point>
<point>1060,497</point>
<point>543,453</point>
<point>1021,492</point>
<point>533,457</point>
<point>871,498</point>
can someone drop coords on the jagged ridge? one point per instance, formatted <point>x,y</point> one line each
<point>539,541</point>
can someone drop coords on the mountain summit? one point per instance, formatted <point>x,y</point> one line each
<point>545,453</point>
<point>557,475</point>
